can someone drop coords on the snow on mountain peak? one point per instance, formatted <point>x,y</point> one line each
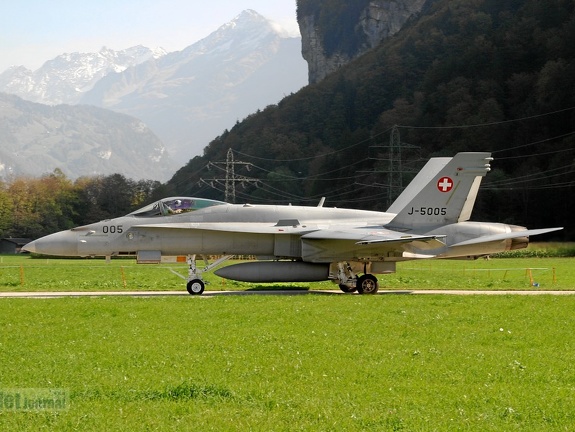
<point>250,19</point>
<point>192,94</point>
<point>64,78</point>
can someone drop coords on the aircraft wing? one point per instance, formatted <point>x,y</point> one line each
<point>369,236</point>
<point>375,242</point>
<point>504,236</point>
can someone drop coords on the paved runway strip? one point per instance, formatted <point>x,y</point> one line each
<point>207,294</point>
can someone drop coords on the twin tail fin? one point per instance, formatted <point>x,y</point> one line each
<point>442,193</point>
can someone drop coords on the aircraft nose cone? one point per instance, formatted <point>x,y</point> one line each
<point>64,243</point>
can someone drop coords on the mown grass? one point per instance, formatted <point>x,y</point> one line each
<point>541,250</point>
<point>284,363</point>
<point>23,273</point>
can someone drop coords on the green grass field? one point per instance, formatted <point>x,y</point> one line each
<point>293,363</point>
<point>284,363</point>
<point>23,273</point>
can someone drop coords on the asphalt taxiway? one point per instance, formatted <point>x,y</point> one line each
<point>208,294</point>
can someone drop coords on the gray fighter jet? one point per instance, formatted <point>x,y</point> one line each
<point>430,219</point>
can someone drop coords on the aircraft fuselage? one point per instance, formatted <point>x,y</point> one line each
<point>430,219</point>
<point>271,232</point>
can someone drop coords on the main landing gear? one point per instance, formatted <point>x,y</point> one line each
<point>367,284</point>
<point>349,282</point>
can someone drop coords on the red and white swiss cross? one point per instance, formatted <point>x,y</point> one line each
<point>444,184</point>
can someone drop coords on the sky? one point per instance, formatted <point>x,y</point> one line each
<point>34,31</point>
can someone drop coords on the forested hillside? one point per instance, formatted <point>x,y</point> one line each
<point>468,75</point>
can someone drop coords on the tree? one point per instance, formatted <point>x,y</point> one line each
<point>6,220</point>
<point>26,221</point>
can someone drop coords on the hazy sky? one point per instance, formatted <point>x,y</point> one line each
<point>34,31</point>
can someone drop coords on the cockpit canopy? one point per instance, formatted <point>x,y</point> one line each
<point>175,205</point>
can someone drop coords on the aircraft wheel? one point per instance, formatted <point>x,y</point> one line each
<point>196,287</point>
<point>367,284</point>
<point>347,289</point>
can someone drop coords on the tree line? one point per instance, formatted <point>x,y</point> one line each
<point>34,207</point>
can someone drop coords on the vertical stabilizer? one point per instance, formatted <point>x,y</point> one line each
<point>445,194</point>
<point>431,168</point>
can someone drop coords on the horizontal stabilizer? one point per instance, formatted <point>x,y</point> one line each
<point>505,236</point>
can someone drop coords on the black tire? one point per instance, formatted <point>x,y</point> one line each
<point>196,287</point>
<point>347,289</point>
<point>367,284</point>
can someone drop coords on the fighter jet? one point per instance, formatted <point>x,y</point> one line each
<point>430,219</point>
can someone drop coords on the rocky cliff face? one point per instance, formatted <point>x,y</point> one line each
<point>378,21</point>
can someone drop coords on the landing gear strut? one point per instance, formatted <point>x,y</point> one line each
<point>196,284</point>
<point>349,282</point>
<point>346,277</point>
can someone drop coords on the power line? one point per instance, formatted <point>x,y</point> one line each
<point>395,163</point>
<point>395,170</point>
<point>231,178</point>
<point>533,143</point>
<point>488,124</point>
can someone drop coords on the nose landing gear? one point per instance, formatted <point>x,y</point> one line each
<point>195,282</point>
<point>196,286</point>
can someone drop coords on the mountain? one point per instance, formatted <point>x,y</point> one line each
<point>189,97</point>
<point>66,78</point>
<point>459,76</point>
<point>80,140</point>
<point>186,98</point>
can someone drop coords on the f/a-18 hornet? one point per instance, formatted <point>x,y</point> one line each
<point>430,219</point>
